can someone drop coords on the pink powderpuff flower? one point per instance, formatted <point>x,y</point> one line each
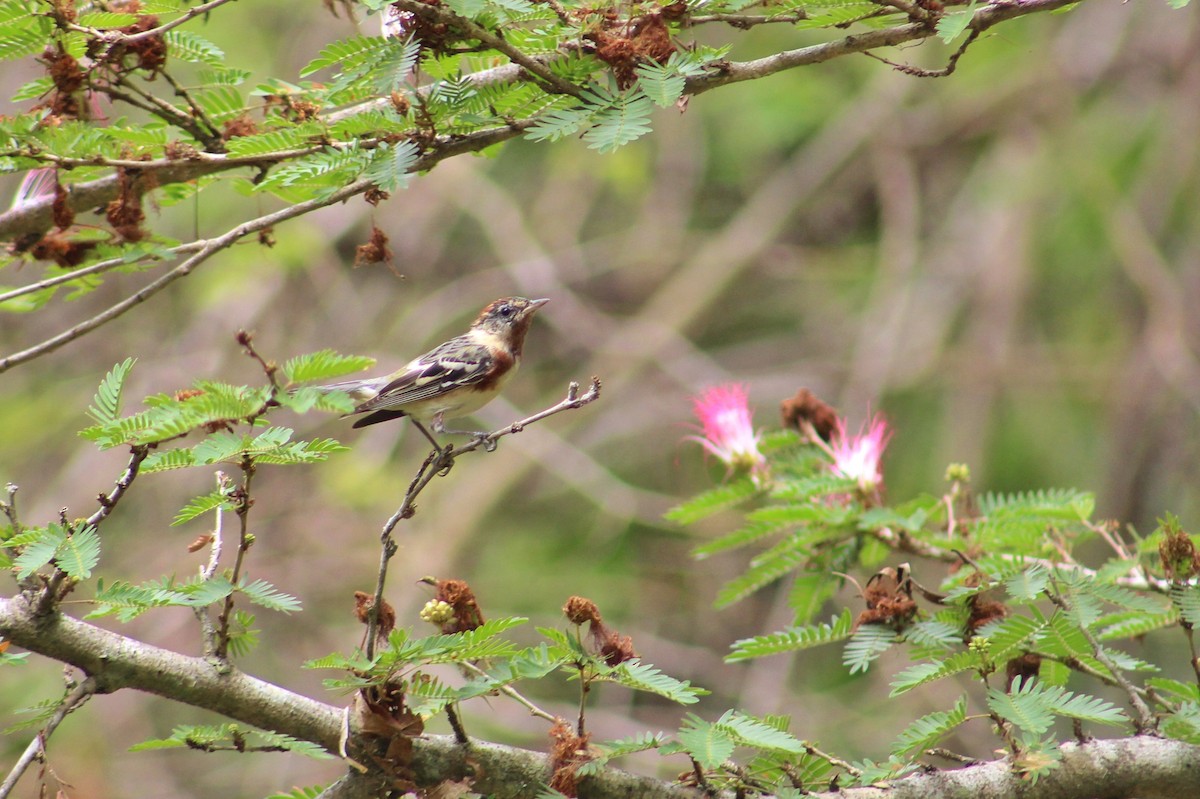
<point>724,413</point>
<point>858,457</point>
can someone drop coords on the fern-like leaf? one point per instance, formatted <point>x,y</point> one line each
<point>644,677</point>
<point>106,405</point>
<point>867,643</point>
<point>324,365</point>
<point>839,628</point>
<point>708,744</point>
<point>712,501</point>
<point>260,592</point>
<point>928,730</point>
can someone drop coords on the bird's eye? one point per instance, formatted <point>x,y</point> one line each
<point>506,310</point>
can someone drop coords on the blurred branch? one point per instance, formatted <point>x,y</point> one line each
<point>80,694</point>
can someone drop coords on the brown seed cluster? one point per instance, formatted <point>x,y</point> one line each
<point>806,408</point>
<point>610,645</point>
<point>625,44</point>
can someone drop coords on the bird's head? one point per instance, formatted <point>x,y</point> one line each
<point>508,318</point>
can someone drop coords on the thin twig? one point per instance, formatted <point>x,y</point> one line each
<point>82,692</point>
<point>50,594</point>
<point>9,507</point>
<point>207,631</point>
<point>438,463</point>
<point>744,21</point>
<point>137,454</point>
<point>213,139</point>
<point>917,72</point>
<point>514,694</point>
<point>1195,658</point>
<point>831,759</point>
<point>1143,718</point>
<point>242,510</point>
<point>554,83</point>
<point>118,37</point>
<point>207,249</point>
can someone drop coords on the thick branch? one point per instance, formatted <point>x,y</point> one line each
<point>116,662</point>
<point>1142,766</point>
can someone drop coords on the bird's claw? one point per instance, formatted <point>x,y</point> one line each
<point>489,443</point>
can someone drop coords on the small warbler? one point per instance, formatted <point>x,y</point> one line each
<point>453,379</point>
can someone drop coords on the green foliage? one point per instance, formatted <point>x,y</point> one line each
<point>640,676</point>
<point>106,405</point>
<point>608,119</point>
<point>190,46</point>
<point>1032,706</point>
<point>839,628</point>
<point>74,551</point>
<point>710,744</point>
<point>607,751</point>
<point>952,24</point>
<point>198,506</point>
<point>323,365</point>
<point>390,165</point>
<point>230,737</point>
<point>867,643</point>
<point>930,729</point>
<point>126,601</point>
<point>713,501</point>
<point>260,592</point>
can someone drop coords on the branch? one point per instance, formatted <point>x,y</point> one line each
<point>116,662</point>
<point>77,697</point>
<point>439,462</point>
<point>1142,766</point>
<point>495,41</point>
<point>37,217</point>
<point>736,72</point>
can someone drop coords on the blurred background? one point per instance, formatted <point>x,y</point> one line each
<point>1004,262</point>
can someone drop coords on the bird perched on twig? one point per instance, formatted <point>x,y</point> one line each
<point>453,379</point>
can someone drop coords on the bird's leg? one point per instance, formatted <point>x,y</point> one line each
<point>427,434</point>
<point>440,427</point>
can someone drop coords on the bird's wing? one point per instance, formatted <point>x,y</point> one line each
<point>458,362</point>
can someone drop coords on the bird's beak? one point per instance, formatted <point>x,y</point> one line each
<point>535,304</point>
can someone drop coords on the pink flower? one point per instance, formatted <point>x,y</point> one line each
<point>857,457</point>
<point>724,412</point>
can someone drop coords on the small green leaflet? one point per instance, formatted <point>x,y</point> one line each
<point>868,642</point>
<point>230,737</point>
<point>324,365</point>
<point>260,592</point>
<point>953,23</point>
<point>1032,705</point>
<point>201,505</point>
<point>76,553</point>
<point>708,744</point>
<point>928,730</point>
<point>792,639</point>
<point>106,405</point>
<point>712,501</point>
<point>644,677</point>
<point>390,164</point>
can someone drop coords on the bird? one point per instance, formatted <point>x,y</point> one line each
<point>453,379</point>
